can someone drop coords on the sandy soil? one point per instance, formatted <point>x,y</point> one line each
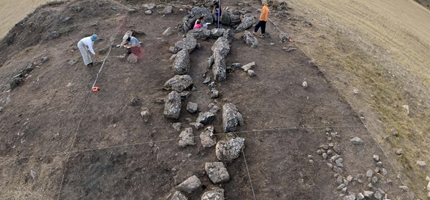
<point>61,141</point>
<point>381,48</point>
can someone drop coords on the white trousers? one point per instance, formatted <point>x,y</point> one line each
<point>85,55</point>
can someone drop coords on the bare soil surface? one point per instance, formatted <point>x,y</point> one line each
<point>60,140</point>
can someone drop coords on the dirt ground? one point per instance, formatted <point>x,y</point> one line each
<point>380,48</point>
<point>60,140</point>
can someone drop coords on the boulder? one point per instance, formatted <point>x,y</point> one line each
<point>216,32</point>
<point>181,65</point>
<point>250,39</point>
<point>213,194</point>
<point>205,118</point>
<point>176,195</point>
<point>178,83</point>
<point>185,94</point>
<point>222,46</point>
<point>228,150</point>
<point>231,117</point>
<point>357,141</point>
<point>247,22</point>
<point>167,10</point>
<point>207,137</point>
<point>217,172</point>
<point>229,35</point>
<point>192,107</point>
<point>186,138</point>
<point>225,20</point>
<point>189,185</point>
<point>284,37</point>
<point>200,33</point>
<point>214,94</point>
<point>172,106</point>
<point>149,6</point>
<point>188,43</point>
<point>196,12</point>
<point>220,49</point>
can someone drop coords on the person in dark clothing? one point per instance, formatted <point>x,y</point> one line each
<point>217,11</point>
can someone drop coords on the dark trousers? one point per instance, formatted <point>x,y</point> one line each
<point>261,24</point>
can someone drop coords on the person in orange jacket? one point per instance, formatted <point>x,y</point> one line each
<point>264,16</point>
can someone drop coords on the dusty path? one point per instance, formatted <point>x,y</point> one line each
<point>58,144</point>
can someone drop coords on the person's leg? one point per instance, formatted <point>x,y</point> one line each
<point>263,27</point>
<point>257,27</point>
<point>128,51</point>
<point>84,53</point>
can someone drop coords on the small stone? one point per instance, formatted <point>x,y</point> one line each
<point>368,194</point>
<point>228,150</point>
<point>379,164</point>
<point>205,118</point>
<point>185,94</point>
<point>176,195</point>
<point>248,66</point>
<point>384,171</point>
<point>324,146</point>
<point>310,156</point>
<point>324,155</point>
<point>213,108</point>
<point>197,125</point>
<point>319,152</point>
<point>421,163</point>
<point>339,179</point>
<point>330,165</point>
<point>213,194</point>
<point>43,59</point>
<point>177,126</point>
<point>192,107</point>
<point>395,133</point>
<point>168,32</point>
<point>148,12</point>
<point>207,80</point>
<point>357,141</point>
<point>374,179</point>
<point>305,84</point>
<point>378,195</point>
<point>214,94</point>
<point>339,162</point>
<point>349,178</point>
<point>360,196</point>
<point>376,158</point>
<point>251,73</point>
<point>355,91</point>
<point>207,137</point>
<point>399,152</point>
<point>349,197</point>
<point>404,188</point>
<point>329,152</point>
<point>189,185</point>
<point>341,186</point>
<point>369,173</point>
<point>1,109</point>
<point>377,170</point>
<point>33,174</point>
<point>72,61</point>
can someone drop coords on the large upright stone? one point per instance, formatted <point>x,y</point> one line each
<point>188,43</point>
<point>200,33</point>
<point>247,22</point>
<point>189,185</point>
<point>219,68</point>
<point>178,83</point>
<point>228,150</point>
<point>172,106</point>
<point>182,62</point>
<point>231,117</point>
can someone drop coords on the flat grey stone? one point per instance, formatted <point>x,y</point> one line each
<point>189,185</point>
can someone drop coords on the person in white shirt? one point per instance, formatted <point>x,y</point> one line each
<point>85,45</point>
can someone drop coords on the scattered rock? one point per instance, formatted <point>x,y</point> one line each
<point>368,194</point>
<point>357,141</point>
<point>376,158</point>
<point>213,108</point>
<point>369,173</point>
<point>149,6</point>
<point>168,32</point>
<point>207,138</point>
<point>189,185</point>
<point>250,39</point>
<point>421,163</point>
<point>213,194</point>
<point>181,64</point>
<point>54,34</point>
<point>227,150</point>
<point>231,117</point>
<point>167,10</point>
<point>404,188</point>
<point>217,172</point>
<point>284,37</point>
<point>248,66</point>
<point>214,94</point>
<point>207,80</point>
<point>251,73</point>
<point>395,133</point>
<point>176,195</point>
<point>172,106</point>
<point>399,152</point>
<point>378,195</point>
<point>177,126</point>
<point>186,138</point>
<point>360,196</point>
<point>192,107</point>
<point>185,94</point>
<point>178,83</point>
<point>43,59</point>
<point>148,12</point>
<point>356,91</point>
<point>145,114</point>
<point>236,66</point>
<point>305,84</point>
<point>349,197</point>
<point>72,61</point>
<point>205,118</point>
<point>197,125</point>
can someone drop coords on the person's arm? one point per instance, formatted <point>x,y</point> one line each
<point>213,10</point>
<point>90,48</point>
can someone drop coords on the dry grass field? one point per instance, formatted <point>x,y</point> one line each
<point>13,11</point>
<point>381,48</point>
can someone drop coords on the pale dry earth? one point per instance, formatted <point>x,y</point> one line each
<point>382,49</point>
<point>12,11</point>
